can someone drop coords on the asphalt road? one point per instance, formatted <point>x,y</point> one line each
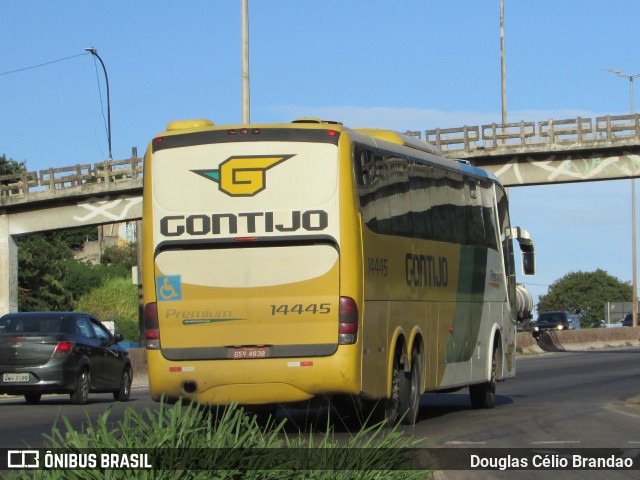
<point>23,425</point>
<point>557,400</point>
<point>561,400</point>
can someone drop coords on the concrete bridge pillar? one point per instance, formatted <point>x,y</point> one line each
<point>8,268</point>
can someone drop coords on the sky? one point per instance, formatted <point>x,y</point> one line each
<point>401,65</point>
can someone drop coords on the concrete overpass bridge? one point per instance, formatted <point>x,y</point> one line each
<point>522,153</point>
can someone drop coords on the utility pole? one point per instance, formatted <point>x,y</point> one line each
<point>634,297</point>
<point>245,61</point>
<point>503,69</point>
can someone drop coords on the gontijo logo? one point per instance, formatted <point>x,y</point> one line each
<point>243,176</point>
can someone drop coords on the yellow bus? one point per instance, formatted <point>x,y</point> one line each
<point>284,262</point>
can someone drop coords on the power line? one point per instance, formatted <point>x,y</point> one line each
<point>42,64</point>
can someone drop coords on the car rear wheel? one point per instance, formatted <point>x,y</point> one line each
<point>81,393</point>
<point>124,392</point>
<point>32,398</point>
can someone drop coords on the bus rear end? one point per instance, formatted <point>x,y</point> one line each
<point>241,265</point>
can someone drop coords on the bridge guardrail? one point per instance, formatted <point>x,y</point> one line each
<point>463,141</point>
<point>618,127</point>
<point>55,179</point>
<point>496,136</point>
<point>572,130</point>
<point>18,184</point>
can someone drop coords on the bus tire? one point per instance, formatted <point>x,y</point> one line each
<point>391,406</point>
<point>483,395</point>
<point>410,391</point>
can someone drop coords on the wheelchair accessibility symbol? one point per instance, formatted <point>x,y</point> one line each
<point>169,288</point>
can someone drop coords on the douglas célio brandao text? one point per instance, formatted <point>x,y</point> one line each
<point>542,461</point>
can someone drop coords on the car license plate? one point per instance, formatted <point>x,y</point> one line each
<point>15,377</point>
<point>249,352</point>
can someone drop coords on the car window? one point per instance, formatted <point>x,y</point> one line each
<point>84,328</point>
<point>101,332</point>
<point>53,324</point>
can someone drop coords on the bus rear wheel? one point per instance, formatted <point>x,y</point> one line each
<point>391,405</point>
<point>483,395</point>
<point>410,391</point>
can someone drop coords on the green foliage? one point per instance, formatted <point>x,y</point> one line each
<point>83,277</point>
<point>585,293</point>
<point>127,256</point>
<point>42,260</point>
<point>232,441</point>
<point>75,238</point>
<point>49,278</point>
<point>128,329</point>
<point>9,166</point>
<point>115,300</point>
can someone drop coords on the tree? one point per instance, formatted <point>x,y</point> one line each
<point>49,278</point>
<point>75,238</point>
<point>41,269</point>
<point>585,293</point>
<point>9,166</point>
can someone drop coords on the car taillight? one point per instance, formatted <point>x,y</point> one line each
<point>63,349</point>
<point>348,326</point>
<point>151,328</point>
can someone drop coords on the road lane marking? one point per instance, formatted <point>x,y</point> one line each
<point>621,412</point>
<point>555,442</point>
<point>459,442</point>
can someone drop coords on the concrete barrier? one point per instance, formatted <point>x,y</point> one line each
<point>568,340</point>
<point>526,344</point>
<point>589,339</point>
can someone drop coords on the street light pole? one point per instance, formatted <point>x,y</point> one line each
<point>634,297</point>
<point>94,52</point>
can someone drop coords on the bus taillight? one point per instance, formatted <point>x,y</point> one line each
<point>348,326</point>
<point>151,329</point>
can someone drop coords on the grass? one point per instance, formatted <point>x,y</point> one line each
<point>194,442</point>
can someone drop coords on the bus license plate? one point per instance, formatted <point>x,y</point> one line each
<point>249,352</point>
<point>15,377</point>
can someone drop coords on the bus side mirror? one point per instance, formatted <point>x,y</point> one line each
<point>529,263</point>
<point>528,251</point>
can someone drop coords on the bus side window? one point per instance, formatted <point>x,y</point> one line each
<point>440,205</point>
<point>399,198</point>
<point>474,213</point>
<point>419,193</point>
<point>458,206</point>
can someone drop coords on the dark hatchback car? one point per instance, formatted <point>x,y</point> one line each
<point>61,352</point>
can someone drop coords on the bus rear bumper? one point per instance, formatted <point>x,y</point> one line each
<point>254,381</point>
